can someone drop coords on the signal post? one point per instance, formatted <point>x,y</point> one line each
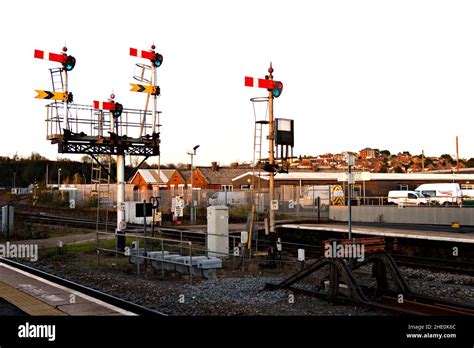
<point>82,132</point>
<point>274,91</point>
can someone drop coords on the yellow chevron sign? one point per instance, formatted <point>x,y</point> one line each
<point>51,95</point>
<point>155,90</point>
<point>337,195</point>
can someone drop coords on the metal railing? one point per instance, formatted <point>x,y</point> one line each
<point>133,123</point>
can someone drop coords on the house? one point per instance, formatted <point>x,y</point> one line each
<point>217,178</point>
<point>249,180</point>
<point>147,179</point>
<point>368,153</point>
<point>177,183</point>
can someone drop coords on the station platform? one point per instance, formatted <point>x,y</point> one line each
<point>35,296</point>
<point>424,234</point>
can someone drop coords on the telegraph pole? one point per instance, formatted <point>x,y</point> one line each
<point>271,140</point>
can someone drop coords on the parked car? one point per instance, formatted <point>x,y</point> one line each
<point>441,193</point>
<point>407,198</point>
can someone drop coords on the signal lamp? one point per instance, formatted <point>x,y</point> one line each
<point>117,111</point>
<point>69,62</point>
<point>157,60</point>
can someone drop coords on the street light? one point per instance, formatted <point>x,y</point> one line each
<point>59,177</point>
<point>192,211</point>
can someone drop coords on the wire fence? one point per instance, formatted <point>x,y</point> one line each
<point>293,201</point>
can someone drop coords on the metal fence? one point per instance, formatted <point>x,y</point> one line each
<point>292,199</point>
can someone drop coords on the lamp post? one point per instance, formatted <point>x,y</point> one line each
<point>192,210</point>
<point>59,177</point>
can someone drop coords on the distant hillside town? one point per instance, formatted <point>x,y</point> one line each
<point>382,161</point>
<point>22,171</point>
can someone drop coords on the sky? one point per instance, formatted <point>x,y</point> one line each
<point>396,75</point>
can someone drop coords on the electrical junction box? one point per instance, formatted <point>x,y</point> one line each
<point>218,231</point>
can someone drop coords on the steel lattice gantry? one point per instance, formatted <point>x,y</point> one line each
<point>88,131</point>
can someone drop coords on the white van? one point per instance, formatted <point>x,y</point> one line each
<point>406,198</point>
<point>233,198</point>
<point>442,193</point>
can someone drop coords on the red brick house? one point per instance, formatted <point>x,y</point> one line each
<point>177,184</point>
<point>147,179</point>
<point>216,178</point>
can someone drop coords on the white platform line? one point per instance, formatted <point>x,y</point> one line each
<point>385,234</point>
<point>74,292</point>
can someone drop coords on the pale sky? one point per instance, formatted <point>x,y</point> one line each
<point>396,75</point>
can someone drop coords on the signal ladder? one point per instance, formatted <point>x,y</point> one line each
<point>101,183</point>
<point>257,158</point>
<point>257,196</point>
<point>58,86</point>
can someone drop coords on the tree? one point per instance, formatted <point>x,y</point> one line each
<point>35,156</point>
<point>448,158</point>
<point>406,153</point>
<point>408,166</point>
<point>385,153</point>
<point>470,163</point>
<point>77,179</point>
<point>398,170</point>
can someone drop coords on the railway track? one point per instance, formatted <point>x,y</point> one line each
<point>102,296</point>
<point>423,305</point>
<point>443,265</point>
<point>291,249</point>
<point>49,219</point>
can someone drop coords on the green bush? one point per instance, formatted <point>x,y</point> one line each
<point>53,199</point>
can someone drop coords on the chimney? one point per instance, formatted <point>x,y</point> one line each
<point>234,165</point>
<point>214,166</point>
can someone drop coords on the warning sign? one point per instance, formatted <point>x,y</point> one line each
<point>177,206</point>
<point>337,195</point>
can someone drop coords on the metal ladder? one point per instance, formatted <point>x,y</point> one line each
<point>101,182</point>
<point>58,86</point>
<point>57,79</point>
<point>257,158</point>
<point>257,142</point>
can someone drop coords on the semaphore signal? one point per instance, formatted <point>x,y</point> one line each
<point>155,57</point>
<point>275,86</point>
<point>68,62</point>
